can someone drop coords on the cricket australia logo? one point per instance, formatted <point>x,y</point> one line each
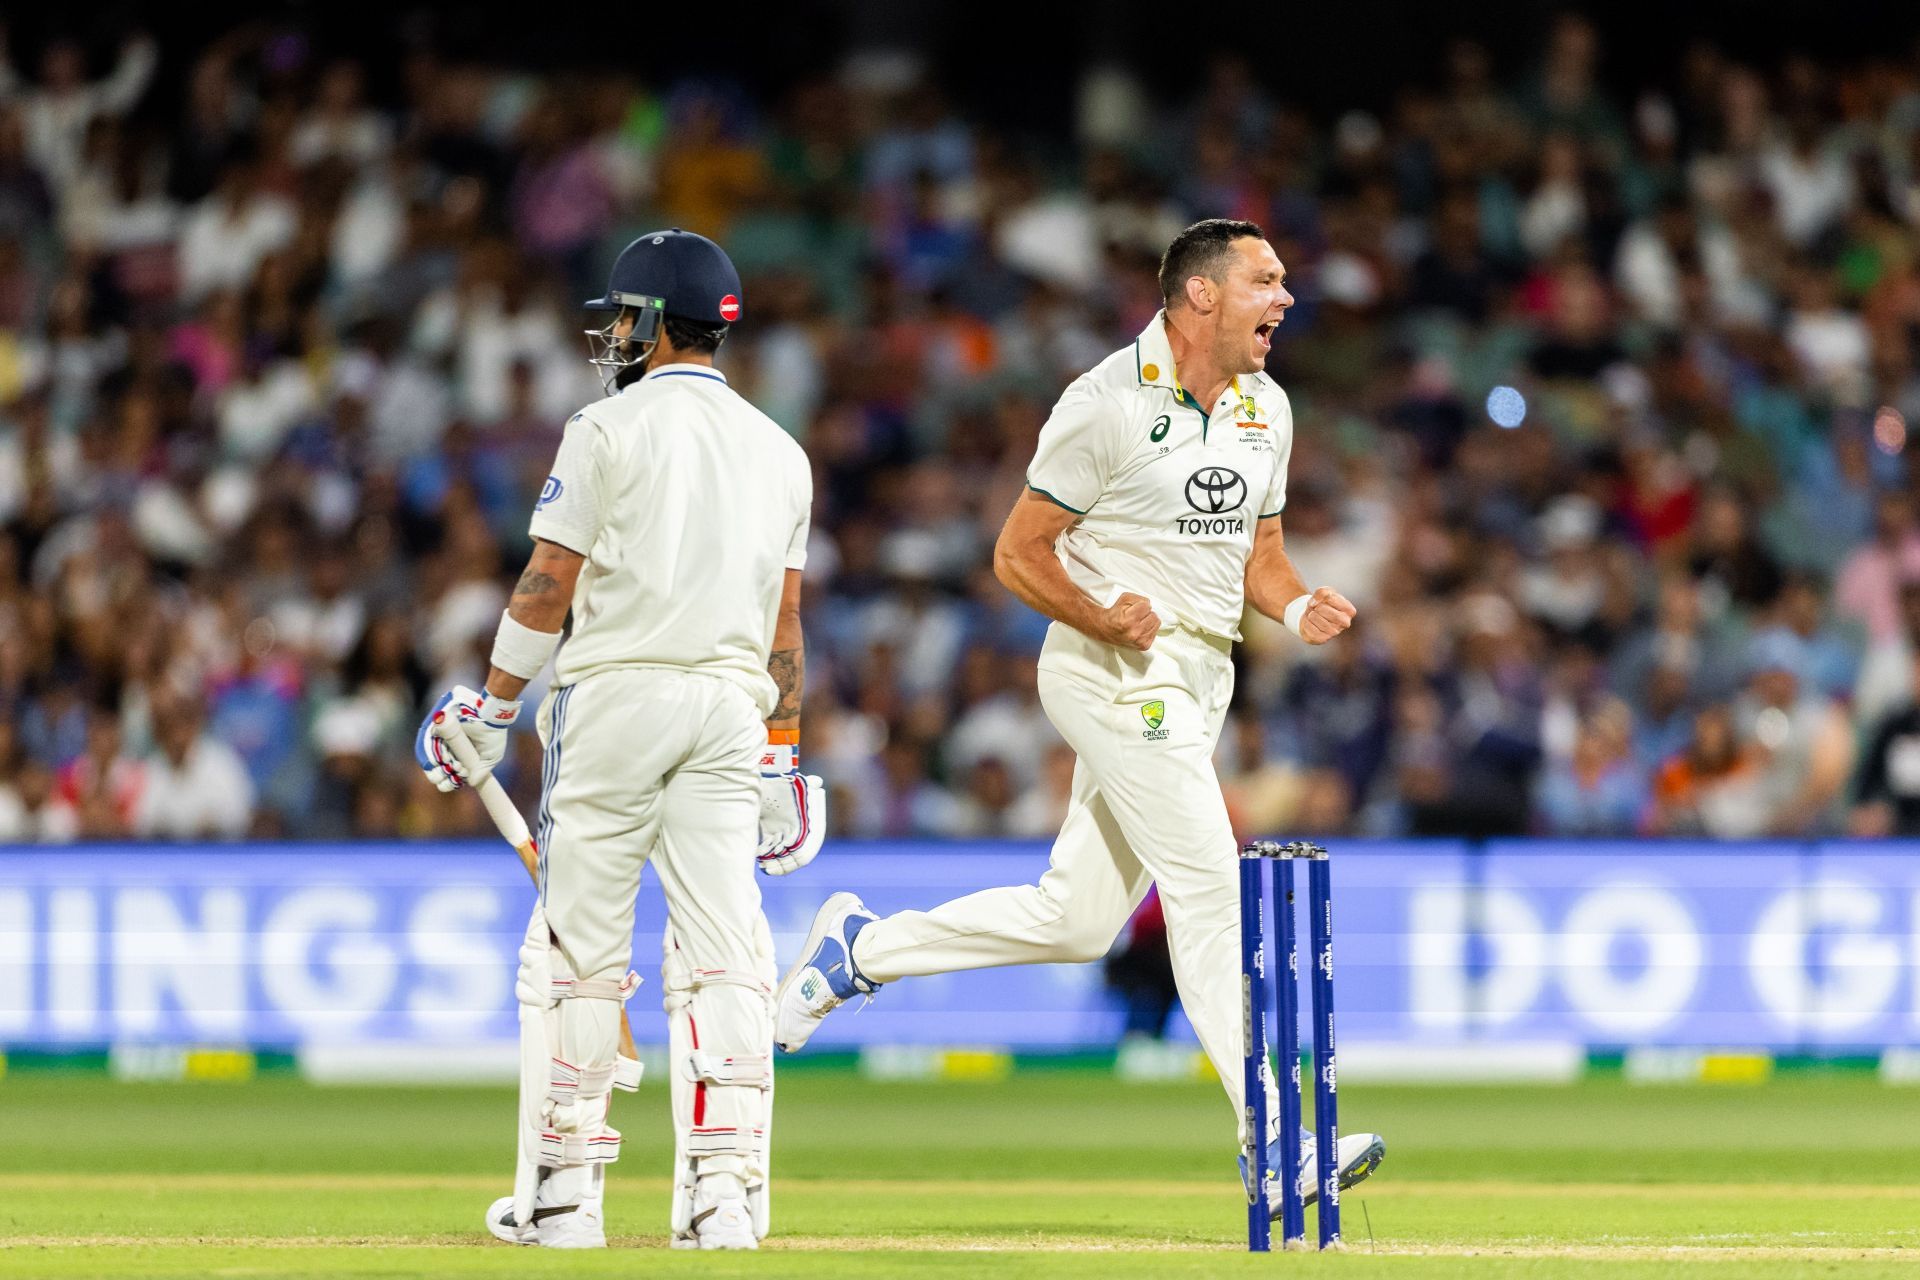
<point>1217,493</point>
<point>1155,714</point>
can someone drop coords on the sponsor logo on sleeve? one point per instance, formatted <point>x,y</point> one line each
<point>549,491</point>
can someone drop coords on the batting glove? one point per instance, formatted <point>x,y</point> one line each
<point>478,723</point>
<point>793,807</point>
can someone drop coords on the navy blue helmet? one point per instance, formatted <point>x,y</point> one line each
<point>663,273</point>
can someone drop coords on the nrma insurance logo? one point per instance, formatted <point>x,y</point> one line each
<point>549,491</point>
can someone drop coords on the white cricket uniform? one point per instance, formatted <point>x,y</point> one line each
<point>689,505</point>
<point>1169,495</point>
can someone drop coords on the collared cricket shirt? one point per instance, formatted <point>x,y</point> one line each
<point>689,505</point>
<point>1168,492</point>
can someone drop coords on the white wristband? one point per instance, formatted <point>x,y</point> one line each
<point>1295,612</point>
<point>522,651</point>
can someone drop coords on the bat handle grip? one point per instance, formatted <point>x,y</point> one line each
<point>512,826</point>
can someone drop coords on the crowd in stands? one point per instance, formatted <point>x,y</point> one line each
<point>1602,396</point>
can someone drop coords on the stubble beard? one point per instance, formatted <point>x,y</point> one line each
<point>1238,358</point>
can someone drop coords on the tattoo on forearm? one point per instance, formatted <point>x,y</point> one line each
<point>535,582</point>
<point>788,667</point>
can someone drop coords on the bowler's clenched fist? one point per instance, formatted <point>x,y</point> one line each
<point>1131,623</point>
<point>1328,614</point>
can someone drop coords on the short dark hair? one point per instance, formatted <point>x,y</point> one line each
<point>1201,250</point>
<point>692,336</point>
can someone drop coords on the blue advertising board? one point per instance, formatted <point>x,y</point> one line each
<point>1770,946</point>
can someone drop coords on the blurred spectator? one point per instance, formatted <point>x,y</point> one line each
<point>1262,793</point>
<point>1340,712</point>
<point>64,103</point>
<point>1714,787</point>
<point>1599,789</point>
<point>1887,793</point>
<point>196,787</point>
<point>1804,736</point>
<point>1869,584</point>
<point>1001,718</point>
<point>1831,645</point>
<point>984,807</point>
<point>914,620</point>
<point>1476,737</point>
<point>1042,807</point>
<point>1809,181</point>
<point>230,232</point>
<point>29,810</point>
<point>340,126</point>
<point>1557,209</point>
<point>285,350</point>
<point>909,803</point>
<point>102,788</point>
<point>1567,589</point>
<point>1886,671</point>
<point>1680,638</point>
<point>1733,568</point>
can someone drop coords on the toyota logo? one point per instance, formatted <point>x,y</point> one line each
<point>1216,489</point>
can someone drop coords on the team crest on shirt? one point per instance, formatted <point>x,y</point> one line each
<point>1155,714</point>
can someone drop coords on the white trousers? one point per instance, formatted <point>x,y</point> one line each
<point>658,766</point>
<point>1146,808</point>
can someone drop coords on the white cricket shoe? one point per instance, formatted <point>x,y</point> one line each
<point>824,977</point>
<point>721,1217</point>
<point>570,1226</point>
<point>1359,1155</point>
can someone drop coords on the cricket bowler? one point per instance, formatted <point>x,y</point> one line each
<point>674,528</point>
<point>1150,521</point>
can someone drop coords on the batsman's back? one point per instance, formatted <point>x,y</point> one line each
<point>702,504</point>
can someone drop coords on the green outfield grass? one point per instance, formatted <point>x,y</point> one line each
<point>1048,1174</point>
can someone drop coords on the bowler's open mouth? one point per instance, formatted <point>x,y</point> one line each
<point>1264,334</point>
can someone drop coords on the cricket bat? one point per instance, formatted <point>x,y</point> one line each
<point>513,828</point>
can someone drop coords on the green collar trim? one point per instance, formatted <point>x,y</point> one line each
<point>1182,396</point>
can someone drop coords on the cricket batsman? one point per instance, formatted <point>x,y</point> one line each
<point>674,527</point>
<point>1150,521</point>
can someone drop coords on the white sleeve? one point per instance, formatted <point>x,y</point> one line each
<point>1276,499</point>
<point>797,540</point>
<point>1077,453</point>
<point>570,508</point>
